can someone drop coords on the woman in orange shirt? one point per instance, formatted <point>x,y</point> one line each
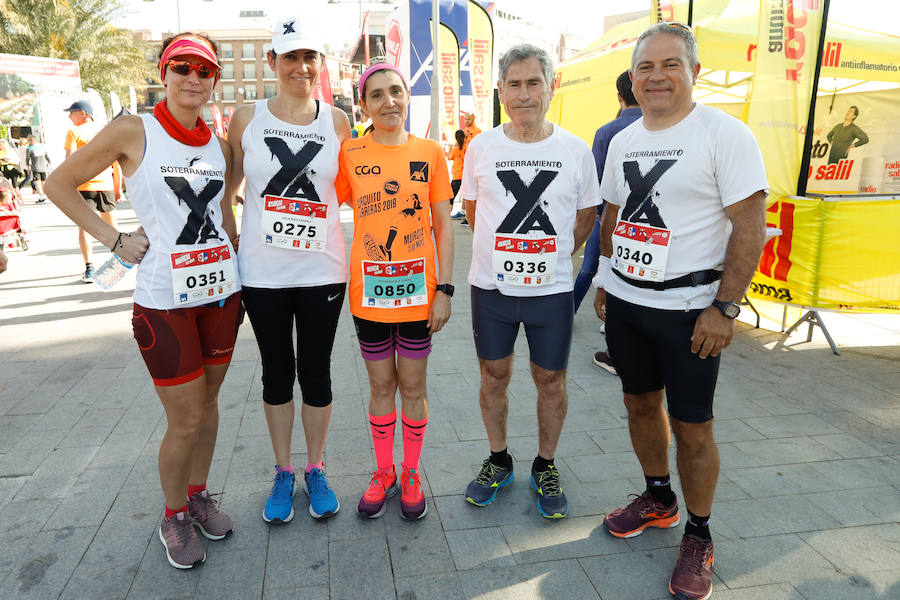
<point>398,187</point>
<point>457,155</point>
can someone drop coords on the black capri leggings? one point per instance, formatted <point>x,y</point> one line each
<point>315,312</point>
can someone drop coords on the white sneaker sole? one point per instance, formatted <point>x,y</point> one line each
<point>169,556</point>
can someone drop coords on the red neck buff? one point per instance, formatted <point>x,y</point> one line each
<point>198,136</point>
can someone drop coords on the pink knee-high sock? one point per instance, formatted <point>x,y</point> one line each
<point>383,439</point>
<point>413,436</point>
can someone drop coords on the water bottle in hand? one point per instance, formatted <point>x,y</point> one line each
<point>111,271</point>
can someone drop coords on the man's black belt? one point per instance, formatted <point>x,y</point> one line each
<point>690,280</point>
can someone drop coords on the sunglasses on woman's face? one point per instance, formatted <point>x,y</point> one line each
<point>184,68</point>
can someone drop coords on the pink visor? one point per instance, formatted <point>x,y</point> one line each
<point>188,45</point>
<point>379,67</point>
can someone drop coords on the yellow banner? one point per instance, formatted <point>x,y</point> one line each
<point>782,86</point>
<point>835,255</point>
<point>449,82</point>
<point>481,59</point>
<point>663,11</point>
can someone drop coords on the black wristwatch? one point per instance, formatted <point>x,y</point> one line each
<point>729,309</point>
<point>447,288</point>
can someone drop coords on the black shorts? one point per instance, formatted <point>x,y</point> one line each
<point>547,321</point>
<point>314,313</point>
<point>103,202</point>
<point>651,350</point>
<point>39,175</point>
<point>378,341</point>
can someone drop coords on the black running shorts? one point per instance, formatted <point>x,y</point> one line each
<point>651,350</point>
<point>314,312</point>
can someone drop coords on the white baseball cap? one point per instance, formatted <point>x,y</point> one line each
<point>294,33</point>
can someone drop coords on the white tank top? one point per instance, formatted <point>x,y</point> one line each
<point>291,169</point>
<point>176,192</point>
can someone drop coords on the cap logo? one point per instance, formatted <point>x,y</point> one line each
<point>289,27</point>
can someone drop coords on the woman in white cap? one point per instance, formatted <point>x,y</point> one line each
<point>291,255</point>
<point>187,299</point>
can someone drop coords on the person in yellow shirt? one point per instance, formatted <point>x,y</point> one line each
<point>98,192</point>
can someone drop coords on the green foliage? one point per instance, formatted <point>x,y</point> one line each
<point>109,58</point>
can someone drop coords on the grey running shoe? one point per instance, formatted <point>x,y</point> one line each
<point>552,503</point>
<point>692,577</point>
<point>88,276</point>
<point>213,523</point>
<point>602,360</point>
<point>178,537</point>
<point>482,490</point>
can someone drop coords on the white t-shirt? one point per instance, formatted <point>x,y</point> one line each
<point>177,192</point>
<point>298,163</point>
<point>527,189</point>
<point>681,179</point>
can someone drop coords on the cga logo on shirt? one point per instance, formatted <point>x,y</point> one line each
<point>418,171</point>
<point>367,170</point>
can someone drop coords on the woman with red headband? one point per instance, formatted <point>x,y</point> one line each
<point>291,256</point>
<point>399,188</point>
<point>187,298</point>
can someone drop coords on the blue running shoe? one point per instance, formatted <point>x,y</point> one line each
<point>482,490</point>
<point>280,505</point>
<point>552,503</point>
<point>323,502</point>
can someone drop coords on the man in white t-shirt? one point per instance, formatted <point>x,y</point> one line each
<point>529,190</point>
<point>683,230</point>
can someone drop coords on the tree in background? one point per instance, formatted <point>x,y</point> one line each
<point>108,57</point>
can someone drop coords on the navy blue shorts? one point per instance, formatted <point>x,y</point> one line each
<point>651,350</point>
<point>547,321</point>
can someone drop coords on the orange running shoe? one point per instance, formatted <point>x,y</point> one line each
<point>383,486</point>
<point>642,512</point>
<point>412,500</point>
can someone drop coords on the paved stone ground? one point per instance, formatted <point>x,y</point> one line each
<point>807,506</point>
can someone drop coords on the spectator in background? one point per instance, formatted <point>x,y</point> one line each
<point>98,192</point>
<point>629,112</point>
<point>21,149</point>
<point>471,130</point>
<point>457,155</point>
<point>39,163</point>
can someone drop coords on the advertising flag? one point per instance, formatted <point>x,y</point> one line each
<point>782,86</point>
<point>449,81</point>
<point>481,61</point>
<point>322,91</point>
<point>663,10</point>
<point>421,61</point>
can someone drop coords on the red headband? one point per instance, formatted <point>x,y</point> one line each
<point>191,45</point>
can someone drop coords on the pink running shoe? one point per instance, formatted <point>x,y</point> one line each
<point>383,486</point>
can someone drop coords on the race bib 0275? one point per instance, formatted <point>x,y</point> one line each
<point>294,224</point>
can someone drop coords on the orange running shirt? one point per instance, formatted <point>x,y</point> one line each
<point>457,155</point>
<point>391,190</point>
<point>78,136</point>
